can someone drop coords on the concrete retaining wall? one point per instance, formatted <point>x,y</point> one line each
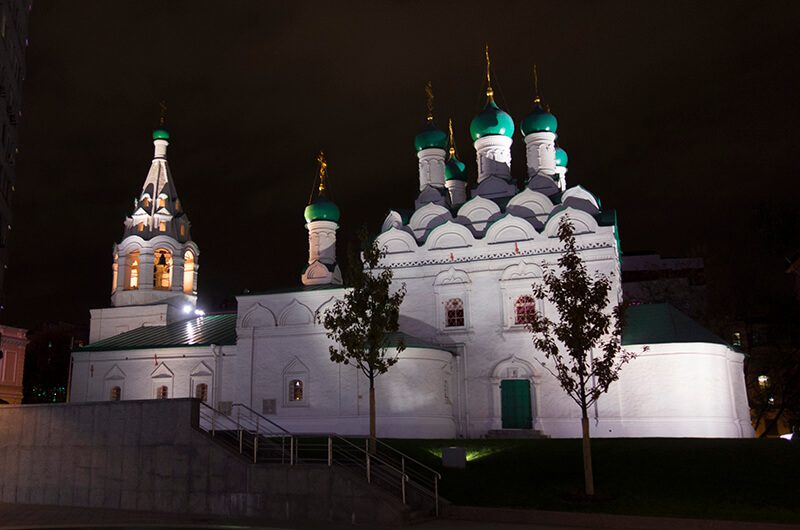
<point>146,455</point>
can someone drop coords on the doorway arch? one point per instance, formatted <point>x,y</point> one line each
<point>513,381</point>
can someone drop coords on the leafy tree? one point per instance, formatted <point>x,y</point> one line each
<point>363,323</point>
<point>584,344</point>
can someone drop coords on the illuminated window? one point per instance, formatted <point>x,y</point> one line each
<point>454,313</point>
<point>295,390</point>
<point>162,276</point>
<point>116,393</point>
<point>162,202</point>
<point>177,205</point>
<point>140,227</point>
<point>132,270</point>
<point>763,381</point>
<point>146,201</point>
<point>737,339</point>
<point>201,392</point>
<point>162,392</point>
<point>183,230</point>
<point>524,309</point>
<point>188,272</point>
<point>162,226</point>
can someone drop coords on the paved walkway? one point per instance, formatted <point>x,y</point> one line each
<point>33,516</point>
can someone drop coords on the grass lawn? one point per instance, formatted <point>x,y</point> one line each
<point>755,480</point>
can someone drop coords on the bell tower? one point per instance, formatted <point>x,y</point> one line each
<point>156,261</point>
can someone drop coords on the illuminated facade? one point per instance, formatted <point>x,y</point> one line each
<point>12,362</point>
<point>468,257</point>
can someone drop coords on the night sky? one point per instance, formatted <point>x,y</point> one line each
<point>681,116</point>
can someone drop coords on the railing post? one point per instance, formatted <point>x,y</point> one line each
<point>283,449</point>
<point>330,450</point>
<point>239,429</point>
<point>291,450</point>
<point>403,478</point>
<point>255,448</point>
<point>436,493</point>
<point>213,418</point>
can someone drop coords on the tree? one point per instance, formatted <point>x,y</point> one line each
<point>584,345</point>
<point>363,324</point>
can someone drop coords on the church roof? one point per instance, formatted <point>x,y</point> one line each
<point>200,331</point>
<point>661,324</point>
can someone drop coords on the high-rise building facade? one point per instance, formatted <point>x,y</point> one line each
<point>13,42</point>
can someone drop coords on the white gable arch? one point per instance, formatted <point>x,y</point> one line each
<point>396,241</point>
<point>581,221</point>
<point>325,306</point>
<point>536,203</point>
<point>510,229</point>
<point>200,369</point>
<point>478,210</point>
<point>515,368</point>
<point>427,218</point>
<point>451,276</point>
<point>258,316</point>
<point>393,220</point>
<point>115,374</point>
<point>521,270</point>
<point>449,235</point>
<point>295,314</point>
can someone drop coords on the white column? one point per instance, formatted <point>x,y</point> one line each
<point>160,151</point>
<point>146,269</point>
<point>322,241</point>
<point>458,192</point>
<point>431,167</point>
<point>494,157</point>
<point>540,150</point>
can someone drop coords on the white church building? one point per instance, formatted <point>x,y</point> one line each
<point>468,257</point>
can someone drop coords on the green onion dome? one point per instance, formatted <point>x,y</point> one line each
<point>322,209</point>
<point>455,169</point>
<point>160,134</point>
<point>492,121</point>
<point>431,137</point>
<point>561,157</point>
<point>539,120</point>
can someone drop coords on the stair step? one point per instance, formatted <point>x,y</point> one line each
<point>516,433</point>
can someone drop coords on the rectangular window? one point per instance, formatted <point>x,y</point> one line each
<point>454,309</point>
<point>162,226</point>
<point>183,230</point>
<point>162,202</point>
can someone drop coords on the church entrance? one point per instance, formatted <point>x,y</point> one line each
<point>515,402</point>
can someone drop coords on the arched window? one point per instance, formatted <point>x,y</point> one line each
<point>201,392</point>
<point>295,390</point>
<point>162,392</point>
<point>162,201</point>
<point>114,272</point>
<point>140,227</point>
<point>162,269</point>
<point>132,270</point>
<point>188,272</point>
<point>146,201</point>
<point>524,309</point>
<point>454,313</point>
<point>116,393</point>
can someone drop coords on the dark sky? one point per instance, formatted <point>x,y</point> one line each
<point>682,116</point>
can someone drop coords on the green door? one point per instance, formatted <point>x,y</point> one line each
<point>516,403</point>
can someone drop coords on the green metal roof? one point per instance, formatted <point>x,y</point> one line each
<point>661,324</point>
<point>200,331</point>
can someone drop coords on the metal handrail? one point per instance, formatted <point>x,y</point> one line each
<point>384,444</point>
<point>251,430</point>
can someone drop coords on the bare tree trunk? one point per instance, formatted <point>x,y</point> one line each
<point>372,429</point>
<point>587,456</point>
